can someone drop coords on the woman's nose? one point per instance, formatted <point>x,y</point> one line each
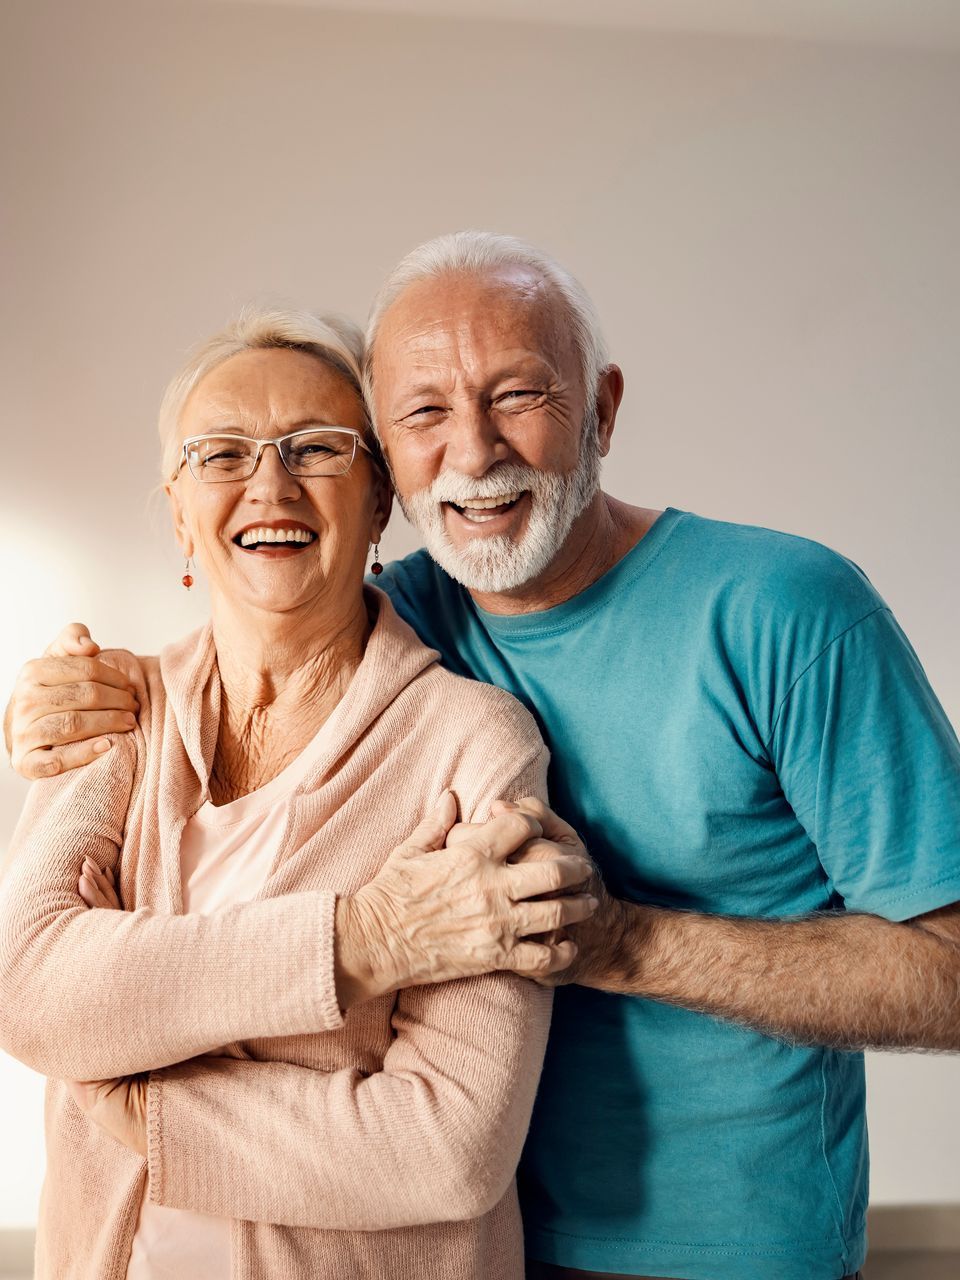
<point>271,481</point>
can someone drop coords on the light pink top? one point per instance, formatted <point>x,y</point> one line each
<point>225,856</point>
<point>382,1142</point>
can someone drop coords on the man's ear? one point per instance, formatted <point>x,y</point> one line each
<point>609,395</point>
<point>180,529</point>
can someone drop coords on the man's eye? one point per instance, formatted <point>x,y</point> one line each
<point>524,394</point>
<point>425,409</point>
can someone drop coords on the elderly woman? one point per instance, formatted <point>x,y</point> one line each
<point>292,1070</point>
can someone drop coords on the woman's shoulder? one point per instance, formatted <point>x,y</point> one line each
<point>482,709</point>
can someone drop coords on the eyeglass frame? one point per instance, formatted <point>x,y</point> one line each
<point>262,444</point>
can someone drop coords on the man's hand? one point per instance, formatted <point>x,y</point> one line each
<point>63,704</point>
<point>597,937</point>
<point>439,910</point>
<point>119,1107</point>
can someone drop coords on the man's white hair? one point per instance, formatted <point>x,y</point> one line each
<point>333,339</point>
<point>475,253</point>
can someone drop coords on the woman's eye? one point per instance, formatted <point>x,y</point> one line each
<point>223,455</point>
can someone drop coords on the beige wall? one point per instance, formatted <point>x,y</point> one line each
<point>769,229</point>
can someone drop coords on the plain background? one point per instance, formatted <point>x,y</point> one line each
<point>768,226</point>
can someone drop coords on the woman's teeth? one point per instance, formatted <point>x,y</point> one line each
<point>250,537</point>
<point>480,510</point>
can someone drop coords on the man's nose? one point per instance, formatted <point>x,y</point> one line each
<point>272,482</point>
<point>473,441</point>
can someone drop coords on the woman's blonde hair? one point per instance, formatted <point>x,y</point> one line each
<point>333,339</point>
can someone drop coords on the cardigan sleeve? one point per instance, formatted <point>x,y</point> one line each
<point>435,1135</point>
<point>88,994</point>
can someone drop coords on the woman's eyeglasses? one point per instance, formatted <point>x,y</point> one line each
<point>318,451</point>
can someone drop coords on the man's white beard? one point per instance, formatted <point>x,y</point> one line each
<point>498,563</point>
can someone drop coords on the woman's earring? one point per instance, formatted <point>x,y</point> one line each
<point>187,578</point>
<point>376,568</point>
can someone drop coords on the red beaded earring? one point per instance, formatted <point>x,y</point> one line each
<point>376,568</point>
<point>187,578</point>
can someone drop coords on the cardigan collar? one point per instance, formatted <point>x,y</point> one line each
<point>393,658</point>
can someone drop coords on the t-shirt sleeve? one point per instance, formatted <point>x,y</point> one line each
<point>870,764</point>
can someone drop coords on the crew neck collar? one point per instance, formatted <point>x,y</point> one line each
<point>571,612</point>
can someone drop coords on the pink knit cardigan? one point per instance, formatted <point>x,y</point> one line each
<point>380,1144</point>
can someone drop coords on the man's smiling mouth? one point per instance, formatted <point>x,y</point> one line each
<point>480,510</point>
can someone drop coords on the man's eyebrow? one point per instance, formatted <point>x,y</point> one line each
<point>420,389</point>
<point>528,367</point>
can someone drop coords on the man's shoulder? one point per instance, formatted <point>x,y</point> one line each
<point>416,579</point>
<point>781,575</point>
<point>432,603</point>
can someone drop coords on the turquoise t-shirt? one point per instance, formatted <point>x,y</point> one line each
<point>739,726</point>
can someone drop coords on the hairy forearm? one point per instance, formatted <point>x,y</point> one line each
<point>844,980</point>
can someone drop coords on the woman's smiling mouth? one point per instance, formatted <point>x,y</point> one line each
<point>275,540</point>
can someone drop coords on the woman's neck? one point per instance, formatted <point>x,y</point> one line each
<point>280,678</point>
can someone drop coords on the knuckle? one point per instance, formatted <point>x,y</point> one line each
<point>30,672</point>
<point>67,722</point>
<point>555,915</point>
<point>556,879</point>
<point>48,768</point>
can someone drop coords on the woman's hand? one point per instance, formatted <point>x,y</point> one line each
<point>98,888</point>
<point>442,909</point>
<point>119,1107</point>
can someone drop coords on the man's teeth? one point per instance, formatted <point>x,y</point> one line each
<point>475,509</point>
<point>484,504</point>
<point>251,536</point>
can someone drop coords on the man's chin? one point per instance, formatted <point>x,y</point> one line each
<point>492,566</point>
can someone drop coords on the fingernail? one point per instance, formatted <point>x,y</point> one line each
<point>593,902</point>
<point>509,804</point>
<point>129,720</point>
<point>100,746</point>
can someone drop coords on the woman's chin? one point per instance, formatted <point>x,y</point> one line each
<point>270,594</point>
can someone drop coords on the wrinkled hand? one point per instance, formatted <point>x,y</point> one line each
<point>597,935</point>
<point>440,910</point>
<point>63,704</point>
<point>118,1107</point>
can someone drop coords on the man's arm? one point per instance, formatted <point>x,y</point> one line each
<point>844,980</point>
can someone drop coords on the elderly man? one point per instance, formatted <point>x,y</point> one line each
<point>746,742</point>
